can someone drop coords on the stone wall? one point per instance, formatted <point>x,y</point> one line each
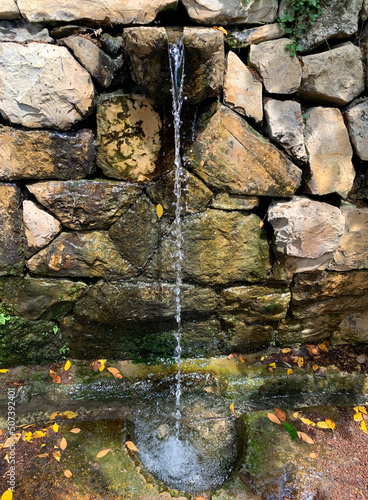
<point>275,151</point>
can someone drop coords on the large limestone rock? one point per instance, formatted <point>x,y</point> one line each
<point>36,154</point>
<point>110,12</point>
<point>218,247</point>
<point>245,38</point>
<point>11,259</point>
<point>357,120</point>
<point>137,233</point>
<point>42,85</point>
<point>281,73</point>
<point>329,152</point>
<point>242,90</point>
<point>40,228</point>
<point>129,142</point>
<point>226,201</point>
<point>339,19</point>
<point>195,195</point>
<point>230,156</point>
<point>353,329</point>
<point>307,330</point>
<point>86,204</point>
<point>285,126</point>
<point>147,50</point>
<point>231,11</point>
<point>39,298</point>
<point>307,231</point>
<point>9,9</point>
<point>101,66</point>
<point>23,32</point>
<point>76,254</point>
<point>352,252</point>
<point>335,76</point>
<point>117,301</point>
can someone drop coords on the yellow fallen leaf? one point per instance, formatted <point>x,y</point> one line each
<point>102,361</point>
<point>38,434</point>
<point>261,224</point>
<point>101,368</point>
<point>6,457</point>
<point>232,408</point>
<point>300,362</point>
<point>75,430</point>
<point>273,418</point>
<point>220,28</point>
<point>131,446</point>
<point>56,455</point>
<point>330,423</point>
<point>280,414</point>
<point>323,347</point>
<point>200,498</point>
<point>55,414</point>
<point>68,473</point>
<point>241,358</point>
<point>112,370</point>
<point>304,437</point>
<point>55,428</point>
<point>28,436</point>
<point>363,427</point>
<point>313,455</point>
<point>315,368</point>
<point>290,371</point>
<point>8,495</point>
<point>43,455</point>
<point>1,432</point>
<point>102,453</point>
<point>360,409</point>
<point>67,365</point>
<point>63,443</point>
<point>306,421</point>
<point>272,365</point>
<point>159,210</point>
<point>286,350</point>
<point>322,425</point>
<point>27,426</point>
<point>358,417</point>
<point>263,358</point>
<point>296,414</point>
<point>69,414</point>
<point>3,370</point>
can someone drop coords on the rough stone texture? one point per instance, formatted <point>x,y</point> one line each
<point>35,154</point>
<point>329,151</point>
<point>195,196</point>
<point>86,204</point>
<point>364,11</point>
<point>225,201</point>
<point>39,298</point>
<point>242,90</point>
<point>252,36</point>
<point>281,73</point>
<point>112,44</point>
<point>285,126</point>
<point>129,142</point>
<point>335,76</point>
<point>40,228</point>
<point>23,32</point>
<point>244,337</point>
<point>218,247</point>
<point>204,63</point>
<point>117,301</point>
<point>43,86</point>
<point>231,11</point>
<point>138,232</point>
<point>9,10</point>
<point>77,254</point>
<point>352,252</point>
<point>306,330</point>
<point>147,48</point>
<point>230,156</point>
<point>329,293</point>
<point>306,229</point>
<point>101,66</point>
<point>111,12</point>
<point>11,259</point>
<point>357,120</point>
<point>339,19</point>
<point>352,329</point>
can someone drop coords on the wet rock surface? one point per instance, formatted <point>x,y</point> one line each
<point>11,235</point>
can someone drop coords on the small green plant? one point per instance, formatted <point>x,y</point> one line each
<point>55,329</point>
<point>3,318</point>
<point>297,17</point>
<point>64,351</point>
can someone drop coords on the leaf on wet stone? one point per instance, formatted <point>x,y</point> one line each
<point>322,425</point>
<point>67,365</point>
<point>231,356</point>
<point>241,358</point>
<point>68,473</point>
<point>273,418</point>
<point>55,414</point>
<point>280,414</point>
<point>306,421</point>
<point>75,430</point>
<point>131,446</point>
<point>304,437</point>
<point>290,371</point>
<point>290,429</point>
<point>286,350</point>
<point>69,414</point>
<point>232,408</point>
<point>103,452</point>
<point>63,444</point>
<point>300,362</point>
<point>113,370</point>
<point>315,368</point>
<point>159,210</point>
<point>56,455</point>
<point>323,347</point>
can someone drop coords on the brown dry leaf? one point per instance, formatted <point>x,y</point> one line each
<point>63,443</point>
<point>112,370</point>
<point>313,455</point>
<point>1,432</point>
<point>306,421</point>
<point>200,498</point>
<point>300,362</point>
<point>56,455</point>
<point>261,224</point>
<point>304,437</point>
<point>241,358</point>
<point>286,350</point>
<point>312,350</point>
<point>131,446</point>
<point>273,418</point>
<point>322,425</point>
<point>362,358</point>
<point>76,430</point>
<point>315,368</point>
<point>68,473</point>
<point>14,438</point>
<point>231,356</point>
<point>280,414</point>
<point>103,452</point>
<point>118,375</point>
<point>290,371</point>
<point>323,347</point>
<point>55,414</point>
<point>96,365</point>
<point>43,455</point>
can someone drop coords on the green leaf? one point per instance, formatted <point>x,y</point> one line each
<point>291,431</point>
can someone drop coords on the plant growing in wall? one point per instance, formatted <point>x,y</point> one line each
<point>297,17</point>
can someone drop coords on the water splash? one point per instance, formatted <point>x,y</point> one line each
<point>176,61</point>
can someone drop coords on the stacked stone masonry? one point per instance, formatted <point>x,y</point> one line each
<point>275,176</point>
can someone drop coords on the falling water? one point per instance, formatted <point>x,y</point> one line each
<point>176,59</point>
